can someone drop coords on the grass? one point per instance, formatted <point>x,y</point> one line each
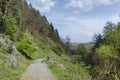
<point>44,50</point>
<point>40,53</point>
<point>65,70</point>
<point>7,73</point>
<point>12,74</point>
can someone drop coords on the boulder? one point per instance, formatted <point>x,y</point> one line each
<point>10,52</point>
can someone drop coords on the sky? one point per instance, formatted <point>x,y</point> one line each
<point>78,19</point>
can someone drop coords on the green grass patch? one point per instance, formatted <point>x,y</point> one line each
<point>7,73</point>
<point>65,70</point>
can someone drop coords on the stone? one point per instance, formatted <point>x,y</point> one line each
<point>11,53</point>
<point>11,60</point>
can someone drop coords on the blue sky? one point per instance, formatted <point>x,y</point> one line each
<point>80,19</point>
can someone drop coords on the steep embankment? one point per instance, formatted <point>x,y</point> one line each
<point>12,63</point>
<point>8,51</point>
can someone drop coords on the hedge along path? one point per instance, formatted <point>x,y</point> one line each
<point>38,70</point>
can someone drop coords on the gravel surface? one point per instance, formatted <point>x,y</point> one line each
<point>38,70</point>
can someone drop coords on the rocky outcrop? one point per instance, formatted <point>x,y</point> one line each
<point>8,51</point>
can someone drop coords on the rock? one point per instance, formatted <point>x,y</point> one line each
<point>11,60</point>
<point>62,66</point>
<point>10,52</point>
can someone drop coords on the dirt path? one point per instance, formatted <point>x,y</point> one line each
<point>38,70</point>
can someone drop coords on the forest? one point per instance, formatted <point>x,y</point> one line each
<point>35,37</point>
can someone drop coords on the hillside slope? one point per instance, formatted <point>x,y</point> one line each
<point>25,35</point>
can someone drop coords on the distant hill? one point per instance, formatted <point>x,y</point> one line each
<point>88,45</point>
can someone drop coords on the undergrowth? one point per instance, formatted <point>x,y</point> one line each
<point>65,70</point>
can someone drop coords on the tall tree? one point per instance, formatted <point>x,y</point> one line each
<point>109,28</point>
<point>98,41</point>
<point>82,51</point>
<point>67,43</point>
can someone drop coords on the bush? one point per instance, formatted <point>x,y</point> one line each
<point>82,51</point>
<point>107,67</point>
<point>105,51</point>
<point>26,44</point>
<point>10,26</point>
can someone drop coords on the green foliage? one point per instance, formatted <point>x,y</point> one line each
<point>65,70</point>
<point>81,50</point>
<point>98,41</point>
<point>106,54</point>
<point>106,51</point>
<point>10,26</point>
<point>110,27</point>
<point>113,39</point>
<point>26,44</point>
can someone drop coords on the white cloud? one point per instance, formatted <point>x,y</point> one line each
<point>106,2</point>
<point>87,5</point>
<point>42,5</point>
<point>80,4</point>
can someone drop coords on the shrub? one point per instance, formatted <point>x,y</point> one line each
<point>10,26</point>
<point>26,44</point>
<point>105,51</point>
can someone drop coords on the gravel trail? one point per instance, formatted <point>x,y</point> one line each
<point>38,70</point>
